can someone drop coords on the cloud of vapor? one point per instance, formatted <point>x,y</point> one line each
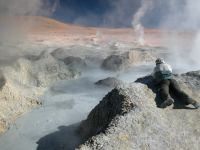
<point>136,22</point>
<point>20,7</point>
<point>120,13</point>
<point>107,13</point>
<point>184,17</point>
<point>183,14</point>
<point>14,23</point>
<point>12,10</point>
<point>181,18</point>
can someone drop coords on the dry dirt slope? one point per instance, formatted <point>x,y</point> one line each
<point>127,118</point>
<point>52,28</point>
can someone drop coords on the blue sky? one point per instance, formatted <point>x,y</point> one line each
<point>85,12</point>
<point>174,14</point>
<point>108,13</point>
<point>97,12</point>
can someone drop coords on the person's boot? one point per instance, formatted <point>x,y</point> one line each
<point>196,105</point>
<point>167,102</point>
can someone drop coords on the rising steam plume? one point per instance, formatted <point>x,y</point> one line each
<point>14,23</point>
<point>181,16</point>
<point>11,10</point>
<point>136,23</point>
<point>184,16</point>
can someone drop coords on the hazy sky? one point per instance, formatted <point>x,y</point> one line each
<point>113,13</point>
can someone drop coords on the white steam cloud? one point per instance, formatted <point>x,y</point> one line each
<point>184,16</point>
<point>136,23</point>
<point>14,23</point>
<point>20,7</point>
<point>182,19</point>
<point>12,11</point>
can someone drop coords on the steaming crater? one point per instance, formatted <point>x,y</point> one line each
<point>67,91</point>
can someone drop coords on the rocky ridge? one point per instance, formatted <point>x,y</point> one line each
<point>128,118</point>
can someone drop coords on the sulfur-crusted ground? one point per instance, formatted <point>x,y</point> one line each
<point>116,125</point>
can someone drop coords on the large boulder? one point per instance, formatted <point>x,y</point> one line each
<point>2,80</point>
<point>59,53</point>
<point>128,118</point>
<point>115,63</point>
<point>109,82</point>
<point>13,102</point>
<point>113,104</point>
<point>128,59</point>
<point>40,70</point>
<point>136,57</point>
<point>74,62</point>
<point>190,81</point>
<point>22,83</point>
<point>35,57</point>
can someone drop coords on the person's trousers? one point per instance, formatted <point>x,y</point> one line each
<point>171,86</point>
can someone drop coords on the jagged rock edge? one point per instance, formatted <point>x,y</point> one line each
<point>126,107</point>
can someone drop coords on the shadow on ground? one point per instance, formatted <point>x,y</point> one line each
<point>65,138</point>
<point>148,80</point>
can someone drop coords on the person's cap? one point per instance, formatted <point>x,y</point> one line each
<point>159,61</point>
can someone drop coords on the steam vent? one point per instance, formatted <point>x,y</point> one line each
<point>80,75</point>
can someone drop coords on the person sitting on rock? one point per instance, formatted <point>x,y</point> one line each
<point>164,79</point>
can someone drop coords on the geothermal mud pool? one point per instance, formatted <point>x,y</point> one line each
<point>64,104</point>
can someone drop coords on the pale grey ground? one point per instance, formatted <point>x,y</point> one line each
<point>144,126</point>
<point>66,103</point>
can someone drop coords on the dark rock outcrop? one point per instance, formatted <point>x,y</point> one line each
<point>74,62</point>
<point>58,53</point>
<point>190,83</point>
<point>115,63</point>
<point>109,82</point>
<point>113,104</point>
<point>2,80</point>
<point>140,56</point>
<point>43,70</point>
<point>42,55</point>
<point>127,59</point>
<point>71,61</point>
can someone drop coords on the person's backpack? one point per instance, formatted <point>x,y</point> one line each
<point>162,75</point>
